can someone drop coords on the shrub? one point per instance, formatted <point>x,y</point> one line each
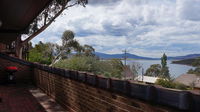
<point>180,86</point>
<point>170,84</point>
<point>109,68</point>
<point>165,83</point>
<point>35,56</point>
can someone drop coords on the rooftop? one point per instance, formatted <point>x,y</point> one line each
<point>146,79</point>
<point>189,79</point>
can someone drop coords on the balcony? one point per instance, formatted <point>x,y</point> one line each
<point>79,91</point>
<point>25,98</point>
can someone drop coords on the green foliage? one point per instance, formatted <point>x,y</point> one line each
<point>158,70</point>
<point>196,62</point>
<point>109,68</point>
<point>88,50</point>
<point>170,84</point>
<point>154,70</point>
<point>48,53</point>
<point>164,60</point>
<point>41,53</point>
<point>165,83</point>
<point>194,71</point>
<point>164,73</point>
<point>69,44</point>
<point>77,63</point>
<point>180,86</point>
<point>116,68</point>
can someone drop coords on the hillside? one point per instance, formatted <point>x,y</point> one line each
<point>191,61</point>
<point>133,56</point>
<point>190,56</point>
<point>119,56</point>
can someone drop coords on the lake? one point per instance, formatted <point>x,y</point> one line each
<point>174,69</point>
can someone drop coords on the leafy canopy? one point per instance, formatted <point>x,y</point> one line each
<point>157,70</point>
<point>108,68</point>
<point>42,53</point>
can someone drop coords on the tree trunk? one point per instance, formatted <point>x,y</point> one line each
<point>18,48</point>
<point>19,52</point>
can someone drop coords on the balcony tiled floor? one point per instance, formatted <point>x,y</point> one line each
<point>15,98</point>
<point>18,98</point>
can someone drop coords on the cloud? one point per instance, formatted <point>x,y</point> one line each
<point>102,2</point>
<point>189,9</point>
<point>145,27</point>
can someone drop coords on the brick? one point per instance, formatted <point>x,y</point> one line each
<point>119,86</point>
<point>73,74</point>
<point>81,76</point>
<point>103,82</point>
<point>91,79</point>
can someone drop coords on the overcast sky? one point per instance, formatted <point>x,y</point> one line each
<point>143,27</point>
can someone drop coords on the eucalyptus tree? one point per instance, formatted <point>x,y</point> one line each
<point>42,53</point>
<point>154,70</point>
<point>158,70</point>
<point>68,45</point>
<point>44,19</point>
<point>88,50</point>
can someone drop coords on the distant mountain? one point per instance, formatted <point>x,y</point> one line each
<point>118,56</point>
<point>185,61</point>
<point>133,56</point>
<point>190,56</point>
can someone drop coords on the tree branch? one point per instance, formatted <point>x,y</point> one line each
<point>42,28</point>
<point>71,5</point>
<point>47,24</point>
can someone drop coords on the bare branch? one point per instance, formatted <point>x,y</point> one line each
<point>42,28</point>
<point>71,5</point>
<point>48,16</point>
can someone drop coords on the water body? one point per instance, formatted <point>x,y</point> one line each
<point>174,69</point>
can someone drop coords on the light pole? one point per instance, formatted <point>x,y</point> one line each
<point>125,56</point>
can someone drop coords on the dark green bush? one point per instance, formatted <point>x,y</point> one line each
<point>108,68</point>
<point>165,83</point>
<point>170,84</point>
<point>180,86</point>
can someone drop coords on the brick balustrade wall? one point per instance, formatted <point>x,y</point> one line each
<point>80,91</point>
<point>77,96</point>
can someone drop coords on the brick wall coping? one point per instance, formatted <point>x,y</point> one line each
<point>178,99</point>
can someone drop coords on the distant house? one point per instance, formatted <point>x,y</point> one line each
<point>189,80</point>
<point>146,79</point>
